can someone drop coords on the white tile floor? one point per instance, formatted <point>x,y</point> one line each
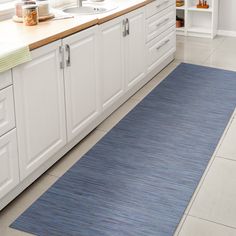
<point>212,210</point>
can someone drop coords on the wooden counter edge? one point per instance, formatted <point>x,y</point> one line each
<point>62,35</point>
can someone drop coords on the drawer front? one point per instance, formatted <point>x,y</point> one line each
<point>157,6</point>
<point>160,22</point>
<point>7,115</point>
<point>5,79</point>
<point>159,48</point>
<point>9,169</point>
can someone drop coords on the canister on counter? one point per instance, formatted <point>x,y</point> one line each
<point>43,7</point>
<point>30,15</point>
<point>19,4</point>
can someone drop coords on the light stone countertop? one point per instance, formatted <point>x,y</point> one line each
<point>52,30</point>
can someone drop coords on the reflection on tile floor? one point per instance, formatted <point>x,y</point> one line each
<point>211,211</point>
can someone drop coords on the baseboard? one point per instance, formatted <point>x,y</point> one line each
<point>226,33</point>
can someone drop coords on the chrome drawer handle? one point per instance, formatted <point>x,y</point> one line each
<point>159,5</point>
<point>161,23</point>
<point>163,44</point>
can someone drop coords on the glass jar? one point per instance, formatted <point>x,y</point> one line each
<point>30,15</point>
<point>19,4</point>
<point>43,7</point>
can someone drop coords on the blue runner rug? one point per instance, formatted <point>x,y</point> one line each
<point>139,178</point>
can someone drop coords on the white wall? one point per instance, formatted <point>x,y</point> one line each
<point>227,15</point>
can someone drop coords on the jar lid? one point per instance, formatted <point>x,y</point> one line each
<point>44,2</point>
<point>30,6</point>
<point>29,2</point>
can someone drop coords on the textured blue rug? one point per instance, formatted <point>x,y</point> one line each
<point>138,180</point>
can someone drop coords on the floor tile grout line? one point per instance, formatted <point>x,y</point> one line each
<point>226,158</point>
<point>218,223</point>
<point>202,180</point>
<point>214,50</point>
<point>186,214</point>
<point>205,60</point>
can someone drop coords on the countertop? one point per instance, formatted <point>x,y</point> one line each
<point>49,31</point>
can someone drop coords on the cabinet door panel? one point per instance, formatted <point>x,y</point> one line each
<point>112,61</point>
<point>5,79</point>
<point>7,116</point>
<point>9,169</point>
<point>81,85</point>
<point>135,48</point>
<point>40,108</point>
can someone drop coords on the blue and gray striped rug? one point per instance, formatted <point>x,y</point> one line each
<point>139,178</point>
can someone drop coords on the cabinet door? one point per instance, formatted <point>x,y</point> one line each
<point>9,169</point>
<point>7,116</point>
<point>112,61</point>
<point>81,81</point>
<point>135,47</point>
<point>40,108</point>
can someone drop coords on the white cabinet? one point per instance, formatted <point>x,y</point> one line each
<point>5,79</point>
<point>160,47</point>
<point>9,169</point>
<point>7,116</point>
<point>158,6</point>
<point>122,55</point>
<point>135,48</point>
<point>40,108</point>
<point>81,81</point>
<point>160,35</point>
<point>112,61</point>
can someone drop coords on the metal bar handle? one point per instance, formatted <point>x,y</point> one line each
<point>127,26</point>
<point>163,44</point>
<point>124,28</point>
<point>159,5</point>
<point>61,51</point>
<point>161,23</point>
<point>68,61</point>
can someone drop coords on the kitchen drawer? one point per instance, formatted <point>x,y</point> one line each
<point>160,22</point>
<point>7,115</point>
<point>5,79</point>
<point>157,6</point>
<point>159,47</point>
<point>9,169</point>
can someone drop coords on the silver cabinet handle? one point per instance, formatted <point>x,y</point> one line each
<point>159,5</point>
<point>163,22</point>
<point>68,62</point>
<point>61,51</point>
<point>127,26</point>
<point>163,44</point>
<point>124,27</point>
